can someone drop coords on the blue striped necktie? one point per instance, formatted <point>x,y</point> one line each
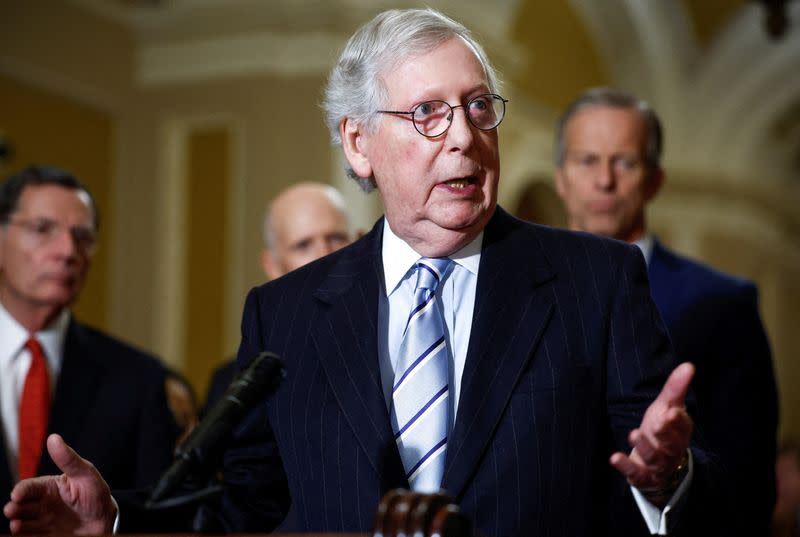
<point>420,391</point>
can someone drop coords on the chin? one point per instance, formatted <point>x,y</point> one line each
<point>460,222</point>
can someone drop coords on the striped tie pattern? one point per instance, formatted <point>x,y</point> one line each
<point>34,408</point>
<point>420,391</point>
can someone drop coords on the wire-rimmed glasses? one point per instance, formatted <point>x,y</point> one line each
<point>433,118</point>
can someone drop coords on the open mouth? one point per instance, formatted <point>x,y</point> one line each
<point>461,182</point>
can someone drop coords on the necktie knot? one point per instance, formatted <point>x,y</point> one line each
<point>430,271</point>
<point>35,349</point>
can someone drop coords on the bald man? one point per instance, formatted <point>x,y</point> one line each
<point>303,223</point>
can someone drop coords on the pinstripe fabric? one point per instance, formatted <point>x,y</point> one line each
<point>551,386</point>
<point>420,390</point>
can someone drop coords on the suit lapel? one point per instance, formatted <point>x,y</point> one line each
<point>345,335</point>
<point>77,384</point>
<point>508,321</point>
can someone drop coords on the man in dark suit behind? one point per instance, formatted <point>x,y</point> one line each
<point>548,367</point>
<point>607,152</point>
<point>102,396</point>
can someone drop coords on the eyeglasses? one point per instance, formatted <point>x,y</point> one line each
<point>44,231</point>
<point>433,118</point>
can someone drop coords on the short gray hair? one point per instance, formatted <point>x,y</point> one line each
<point>613,98</point>
<point>355,87</point>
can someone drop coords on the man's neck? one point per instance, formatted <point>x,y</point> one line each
<point>32,318</point>
<point>435,241</point>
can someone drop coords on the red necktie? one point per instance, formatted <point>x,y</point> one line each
<point>34,408</point>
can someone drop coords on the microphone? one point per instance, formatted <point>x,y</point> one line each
<point>259,380</point>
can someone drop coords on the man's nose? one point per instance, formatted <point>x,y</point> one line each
<point>461,134</point>
<point>63,242</point>
<point>605,176</point>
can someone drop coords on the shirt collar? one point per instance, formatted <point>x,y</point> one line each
<point>51,338</point>
<point>399,257</point>
<point>645,244</point>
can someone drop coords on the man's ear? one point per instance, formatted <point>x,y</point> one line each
<point>269,264</point>
<point>655,183</point>
<point>558,182</point>
<point>354,144</point>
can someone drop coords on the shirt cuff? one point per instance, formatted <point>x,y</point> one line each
<point>656,518</point>
<point>115,529</point>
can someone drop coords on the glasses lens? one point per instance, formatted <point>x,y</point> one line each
<point>486,111</point>
<point>432,118</point>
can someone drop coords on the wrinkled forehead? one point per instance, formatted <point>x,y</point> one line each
<point>55,202</point>
<point>394,62</point>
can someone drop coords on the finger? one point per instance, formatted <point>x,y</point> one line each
<point>9,509</point>
<point>674,391</point>
<point>31,489</point>
<point>668,434</point>
<point>675,432</point>
<point>632,472</point>
<point>67,460</point>
<point>23,511</point>
<point>646,448</point>
<point>27,527</point>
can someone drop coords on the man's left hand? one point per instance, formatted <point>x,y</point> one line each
<point>660,442</point>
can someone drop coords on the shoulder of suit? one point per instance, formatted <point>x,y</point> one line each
<point>559,239</point>
<point>113,350</point>
<point>711,278</point>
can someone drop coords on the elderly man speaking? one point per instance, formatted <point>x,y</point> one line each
<point>522,369</point>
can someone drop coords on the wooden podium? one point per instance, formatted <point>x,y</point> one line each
<point>411,514</point>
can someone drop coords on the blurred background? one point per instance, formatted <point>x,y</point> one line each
<point>185,116</point>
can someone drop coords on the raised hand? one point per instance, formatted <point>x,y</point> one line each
<point>660,443</point>
<point>76,502</point>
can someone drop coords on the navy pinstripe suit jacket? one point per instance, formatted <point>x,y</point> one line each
<point>566,352</point>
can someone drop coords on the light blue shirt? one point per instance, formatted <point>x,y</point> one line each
<point>456,294</point>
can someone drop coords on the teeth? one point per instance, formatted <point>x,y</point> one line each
<point>457,183</point>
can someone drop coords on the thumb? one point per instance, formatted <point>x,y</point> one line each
<point>674,391</point>
<point>67,460</point>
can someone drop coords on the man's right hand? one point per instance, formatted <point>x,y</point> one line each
<point>76,502</point>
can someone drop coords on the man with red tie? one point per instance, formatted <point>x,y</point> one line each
<point>57,375</point>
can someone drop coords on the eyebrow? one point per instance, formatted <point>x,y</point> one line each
<point>425,95</point>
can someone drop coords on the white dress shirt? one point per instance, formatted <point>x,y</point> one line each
<point>15,360</point>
